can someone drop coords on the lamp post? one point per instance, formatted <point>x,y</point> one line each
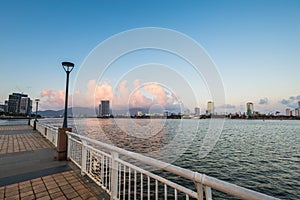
<point>62,140</point>
<point>36,108</point>
<point>68,67</point>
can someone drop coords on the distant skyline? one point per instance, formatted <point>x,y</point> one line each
<point>254,44</point>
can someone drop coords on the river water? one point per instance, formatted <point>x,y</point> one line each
<point>259,155</point>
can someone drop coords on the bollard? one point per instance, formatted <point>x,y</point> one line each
<point>34,125</point>
<point>62,144</point>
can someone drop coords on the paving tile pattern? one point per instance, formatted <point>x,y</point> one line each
<point>10,143</point>
<point>66,185</point>
<point>15,128</point>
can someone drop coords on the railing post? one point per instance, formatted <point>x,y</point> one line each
<point>83,157</point>
<point>46,132</point>
<point>199,188</point>
<point>69,145</point>
<point>208,195</point>
<point>34,125</point>
<point>114,176</point>
<point>62,143</point>
<point>56,138</point>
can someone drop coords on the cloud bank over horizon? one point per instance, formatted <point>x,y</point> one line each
<point>125,95</point>
<point>135,94</point>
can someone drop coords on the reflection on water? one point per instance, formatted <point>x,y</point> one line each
<point>260,155</point>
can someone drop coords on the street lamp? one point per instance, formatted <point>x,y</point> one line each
<point>36,108</point>
<point>68,67</point>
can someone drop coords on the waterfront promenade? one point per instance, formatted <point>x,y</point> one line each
<point>28,169</point>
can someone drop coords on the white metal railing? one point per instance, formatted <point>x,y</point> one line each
<point>32,122</point>
<point>121,179</point>
<point>103,163</point>
<point>47,131</point>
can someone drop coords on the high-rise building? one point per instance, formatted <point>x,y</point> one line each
<point>288,112</point>
<point>197,111</point>
<point>25,105</point>
<point>249,108</point>
<point>210,107</point>
<point>14,103</point>
<point>104,109</point>
<point>297,114</point>
<point>299,105</point>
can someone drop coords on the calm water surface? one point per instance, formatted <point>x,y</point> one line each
<point>260,155</point>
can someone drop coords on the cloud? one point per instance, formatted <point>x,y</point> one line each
<point>51,99</point>
<point>292,101</point>
<point>263,101</point>
<point>97,92</point>
<point>284,102</point>
<point>142,95</point>
<point>161,97</point>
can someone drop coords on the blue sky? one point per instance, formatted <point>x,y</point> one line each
<point>255,44</point>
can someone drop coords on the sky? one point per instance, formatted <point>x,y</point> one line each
<point>255,46</point>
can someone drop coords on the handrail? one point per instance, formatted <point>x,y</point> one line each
<point>209,181</point>
<point>198,178</point>
<point>50,135</point>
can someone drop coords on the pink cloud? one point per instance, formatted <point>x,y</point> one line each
<point>137,99</point>
<point>121,97</point>
<point>51,99</point>
<point>159,92</point>
<point>97,92</point>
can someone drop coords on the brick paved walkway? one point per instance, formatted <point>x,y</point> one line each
<point>16,127</point>
<point>66,185</point>
<point>20,142</point>
<point>10,143</point>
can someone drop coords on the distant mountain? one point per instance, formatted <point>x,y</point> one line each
<point>84,112</point>
<point>75,112</point>
<point>92,112</point>
<point>51,113</point>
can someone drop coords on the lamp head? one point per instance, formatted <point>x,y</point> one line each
<point>68,66</point>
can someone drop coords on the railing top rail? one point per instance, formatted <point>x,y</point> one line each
<point>217,184</point>
<point>47,126</point>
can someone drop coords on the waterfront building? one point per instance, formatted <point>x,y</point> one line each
<point>210,108</point>
<point>25,105</point>
<point>288,112</point>
<point>249,109</point>
<point>197,111</point>
<point>104,109</point>
<point>3,108</point>
<point>297,112</point>
<point>14,101</point>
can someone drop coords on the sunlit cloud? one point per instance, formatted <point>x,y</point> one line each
<point>140,95</point>
<point>51,99</point>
